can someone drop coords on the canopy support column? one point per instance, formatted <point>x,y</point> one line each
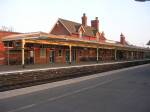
<point>132,55</point>
<point>115,54</point>
<point>97,54</point>
<point>23,43</point>
<point>70,51</point>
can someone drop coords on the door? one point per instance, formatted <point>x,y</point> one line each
<point>31,57</point>
<point>67,55</point>
<point>74,55</point>
<point>52,56</point>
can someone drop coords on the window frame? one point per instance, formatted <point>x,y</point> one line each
<point>42,52</point>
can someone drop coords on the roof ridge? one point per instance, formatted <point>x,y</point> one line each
<point>73,22</point>
<point>69,21</point>
<point>73,27</point>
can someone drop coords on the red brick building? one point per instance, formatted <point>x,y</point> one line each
<point>77,30</point>
<point>69,42</point>
<point>3,50</point>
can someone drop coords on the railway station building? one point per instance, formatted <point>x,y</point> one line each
<point>67,42</point>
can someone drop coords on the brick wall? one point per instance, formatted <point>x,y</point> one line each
<point>59,30</point>
<point>2,49</point>
<point>43,76</point>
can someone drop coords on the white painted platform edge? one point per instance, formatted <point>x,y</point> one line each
<point>54,68</point>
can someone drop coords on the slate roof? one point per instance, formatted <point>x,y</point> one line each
<point>74,26</point>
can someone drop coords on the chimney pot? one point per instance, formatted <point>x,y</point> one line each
<point>122,39</point>
<point>84,20</point>
<point>95,23</point>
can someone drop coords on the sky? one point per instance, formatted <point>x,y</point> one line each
<point>115,16</point>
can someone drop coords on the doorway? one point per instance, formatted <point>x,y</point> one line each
<point>67,56</point>
<point>52,56</point>
<point>74,55</point>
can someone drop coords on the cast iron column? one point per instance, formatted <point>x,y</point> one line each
<point>97,54</point>
<point>70,58</point>
<point>23,43</point>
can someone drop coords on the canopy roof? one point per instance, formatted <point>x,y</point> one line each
<point>45,38</point>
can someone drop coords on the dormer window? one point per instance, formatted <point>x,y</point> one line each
<point>81,31</point>
<point>80,34</point>
<point>97,38</point>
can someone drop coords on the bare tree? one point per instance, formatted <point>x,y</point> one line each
<point>5,28</point>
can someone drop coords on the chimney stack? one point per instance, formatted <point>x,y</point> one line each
<point>84,20</point>
<point>95,23</point>
<point>122,39</point>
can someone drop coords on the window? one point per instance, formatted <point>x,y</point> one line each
<point>17,44</point>
<point>42,52</point>
<point>60,52</point>
<point>8,44</point>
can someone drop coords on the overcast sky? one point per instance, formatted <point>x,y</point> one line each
<point>115,16</point>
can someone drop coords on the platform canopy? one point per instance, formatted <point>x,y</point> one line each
<point>50,39</point>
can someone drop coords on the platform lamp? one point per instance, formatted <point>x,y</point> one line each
<point>142,0</point>
<point>148,43</point>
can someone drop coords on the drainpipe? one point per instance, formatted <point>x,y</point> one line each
<point>8,53</point>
